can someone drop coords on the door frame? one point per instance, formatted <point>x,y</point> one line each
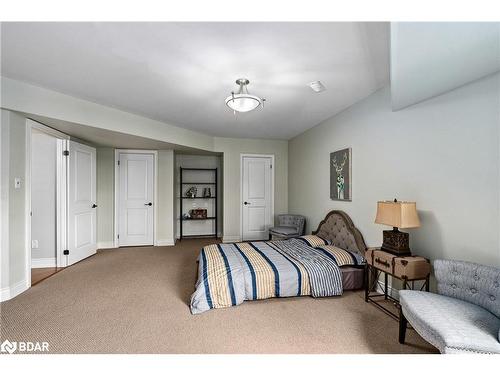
<point>61,194</point>
<point>266,156</point>
<point>117,191</point>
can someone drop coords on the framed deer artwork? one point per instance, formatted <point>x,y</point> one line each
<point>340,175</point>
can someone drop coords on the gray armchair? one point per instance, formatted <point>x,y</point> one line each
<point>464,315</point>
<point>289,226</point>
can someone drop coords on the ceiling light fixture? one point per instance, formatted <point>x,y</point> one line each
<point>242,101</point>
<point>317,86</point>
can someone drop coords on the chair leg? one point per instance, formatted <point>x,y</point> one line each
<point>403,324</point>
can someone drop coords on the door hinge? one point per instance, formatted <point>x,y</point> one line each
<point>118,236</point>
<point>271,166</point>
<point>66,252</point>
<point>118,162</point>
<point>66,153</point>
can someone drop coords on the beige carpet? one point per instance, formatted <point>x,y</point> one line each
<point>135,300</point>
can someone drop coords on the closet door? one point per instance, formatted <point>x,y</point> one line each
<point>257,194</point>
<point>136,199</point>
<point>82,206</point>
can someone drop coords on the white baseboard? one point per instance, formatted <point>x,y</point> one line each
<point>14,290</point>
<point>393,292</point>
<point>106,245</point>
<point>43,262</point>
<point>167,242</point>
<point>229,239</point>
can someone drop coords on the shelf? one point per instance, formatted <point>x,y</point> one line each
<point>198,198</point>
<point>199,169</point>
<point>206,218</point>
<point>199,180</point>
<point>199,183</point>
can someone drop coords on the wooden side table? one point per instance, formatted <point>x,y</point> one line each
<point>408,269</point>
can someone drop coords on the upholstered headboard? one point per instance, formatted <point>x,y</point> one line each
<point>338,227</point>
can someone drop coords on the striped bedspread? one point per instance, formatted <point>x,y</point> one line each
<point>229,274</point>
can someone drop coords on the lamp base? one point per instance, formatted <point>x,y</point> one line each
<point>396,242</point>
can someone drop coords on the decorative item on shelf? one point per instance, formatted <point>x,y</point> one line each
<point>340,175</point>
<point>207,193</point>
<point>186,216</point>
<point>397,215</point>
<point>191,192</point>
<point>198,213</point>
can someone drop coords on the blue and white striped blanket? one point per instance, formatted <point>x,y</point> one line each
<point>229,274</point>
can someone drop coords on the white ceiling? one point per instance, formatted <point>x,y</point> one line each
<point>429,59</point>
<point>180,73</point>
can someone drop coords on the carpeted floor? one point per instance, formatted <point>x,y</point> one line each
<point>135,300</point>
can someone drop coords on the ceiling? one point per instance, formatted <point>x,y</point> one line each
<point>180,73</point>
<point>429,59</point>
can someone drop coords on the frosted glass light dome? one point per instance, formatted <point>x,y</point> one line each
<point>242,101</point>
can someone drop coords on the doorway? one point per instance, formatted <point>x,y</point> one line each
<point>257,196</point>
<point>61,199</point>
<point>45,230</point>
<point>135,197</point>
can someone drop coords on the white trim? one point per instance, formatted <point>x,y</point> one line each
<point>229,239</point>
<point>106,245</point>
<point>155,191</point>
<point>14,290</point>
<point>43,262</point>
<point>167,242</point>
<point>27,199</point>
<point>5,203</point>
<point>393,292</point>
<point>242,156</point>
<point>47,129</point>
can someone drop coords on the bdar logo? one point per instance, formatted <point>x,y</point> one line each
<point>8,347</point>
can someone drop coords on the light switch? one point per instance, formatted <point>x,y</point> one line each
<point>17,183</point>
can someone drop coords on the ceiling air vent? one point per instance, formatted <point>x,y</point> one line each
<point>317,86</point>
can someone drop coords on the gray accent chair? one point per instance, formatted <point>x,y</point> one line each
<point>289,226</point>
<point>464,315</point>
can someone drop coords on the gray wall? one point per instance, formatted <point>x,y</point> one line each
<point>4,198</point>
<point>232,148</point>
<point>43,196</point>
<point>166,203</point>
<point>106,196</point>
<point>105,160</point>
<point>442,153</point>
<point>14,125</point>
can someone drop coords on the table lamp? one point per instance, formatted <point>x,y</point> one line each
<point>397,215</point>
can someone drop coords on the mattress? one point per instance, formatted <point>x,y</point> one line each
<point>229,274</point>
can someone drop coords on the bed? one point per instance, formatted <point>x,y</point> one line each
<point>323,264</point>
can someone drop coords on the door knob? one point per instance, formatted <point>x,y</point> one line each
<point>148,204</point>
<point>245,203</point>
<point>94,205</point>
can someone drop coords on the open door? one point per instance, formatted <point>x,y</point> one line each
<point>82,241</point>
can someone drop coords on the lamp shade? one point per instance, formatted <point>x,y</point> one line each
<point>397,214</point>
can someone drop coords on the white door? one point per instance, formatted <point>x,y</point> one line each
<point>135,202</point>
<point>82,241</point>
<point>257,197</point>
